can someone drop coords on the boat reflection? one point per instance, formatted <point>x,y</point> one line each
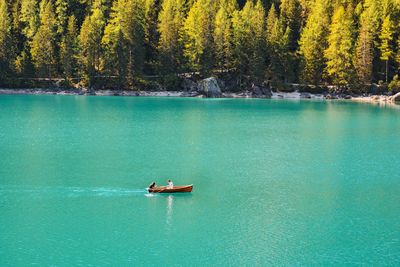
<point>170,204</point>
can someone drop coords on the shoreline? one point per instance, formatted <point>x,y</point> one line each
<point>372,99</point>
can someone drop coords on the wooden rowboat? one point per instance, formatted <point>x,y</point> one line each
<point>175,189</point>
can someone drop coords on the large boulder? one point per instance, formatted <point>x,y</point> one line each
<point>188,85</point>
<point>395,98</point>
<point>260,91</point>
<point>209,87</point>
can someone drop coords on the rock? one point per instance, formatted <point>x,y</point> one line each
<point>188,85</point>
<point>260,91</point>
<point>305,95</point>
<point>209,87</point>
<point>330,96</point>
<point>395,98</point>
<point>256,91</point>
<point>347,97</point>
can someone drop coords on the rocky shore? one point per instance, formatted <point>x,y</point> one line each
<point>210,88</point>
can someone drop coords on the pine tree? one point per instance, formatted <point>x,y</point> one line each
<point>229,5</point>
<point>6,44</point>
<point>197,36</point>
<point>273,26</point>
<point>223,39</point>
<point>386,38</point>
<point>151,10</point>
<point>242,38</point>
<point>290,14</point>
<point>69,49</point>
<point>23,64</point>
<point>115,51</point>
<point>249,40</point>
<point>43,48</point>
<point>364,52</point>
<point>30,17</point>
<point>170,21</point>
<point>257,66</point>
<point>133,29</point>
<point>90,43</point>
<point>339,52</point>
<point>274,33</point>
<point>62,15</point>
<point>374,10</point>
<point>313,42</point>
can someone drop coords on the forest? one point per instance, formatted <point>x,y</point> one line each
<point>139,44</point>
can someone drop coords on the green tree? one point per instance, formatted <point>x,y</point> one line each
<point>339,52</point>
<point>115,51</point>
<point>62,15</point>
<point>223,39</point>
<point>313,42</point>
<point>242,38</point>
<point>151,10</point>
<point>274,33</point>
<point>43,47</point>
<point>386,46</point>
<point>69,49</point>
<point>90,43</point>
<point>364,51</point>
<point>249,40</point>
<point>30,17</point>
<point>257,66</point>
<point>170,21</point>
<point>197,34</point>
<point>133,29</point>
<point>290,15</point>
<point>6,44</point>
<point>23,64</point>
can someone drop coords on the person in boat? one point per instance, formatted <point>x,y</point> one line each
<point>170,184</point>
<point>152,185</point>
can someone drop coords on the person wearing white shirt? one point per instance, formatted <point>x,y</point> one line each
<point>170,184</point>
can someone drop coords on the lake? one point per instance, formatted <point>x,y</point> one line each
<point>275,182</point>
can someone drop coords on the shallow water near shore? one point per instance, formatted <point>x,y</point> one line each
<point>275,182</point>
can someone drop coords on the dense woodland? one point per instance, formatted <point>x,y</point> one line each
<point>134,43</point>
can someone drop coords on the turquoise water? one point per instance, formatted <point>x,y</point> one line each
<point>275,182</point>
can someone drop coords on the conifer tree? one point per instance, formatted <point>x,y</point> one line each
<point>170,21</point>
<point>223,39</point>
<point>229,5</point>
<point>313,42</point>
<point>249,40</point>
<point>90,43</point>
<point>274,33</point>
<point>242,38</point>
<point>62,15</point>
<point>374,10</point>
<point>364,52</point>
<point>197,36</point>
<point>6,44</point>
<point>69,49</point>
<point>273,26</point>
<point>386,46</point>
<point>30,17</point>
<point>151,8</point>
<point>133,29</point>
<point>23,64</point>
<point>43,48</point>
<point>339,52</point>
<point>115,51</point>
<point>290,14</point>
<point>257,66</point>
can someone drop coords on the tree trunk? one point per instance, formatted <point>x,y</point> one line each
<point>387,68</point>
